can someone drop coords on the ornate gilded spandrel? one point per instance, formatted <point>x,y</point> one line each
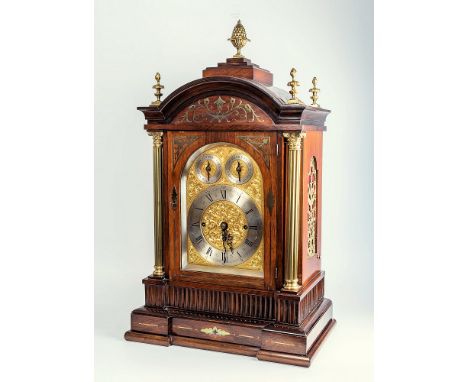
<point>180,144</point>
<point>261,145</point>
<point>254,187</point>
<point>312,209</point>
<point>222,109</point>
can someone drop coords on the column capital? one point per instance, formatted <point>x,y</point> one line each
<point>157,138</point>
<point>294,140</point>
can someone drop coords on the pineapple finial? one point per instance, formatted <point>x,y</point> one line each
<point>238,39</point>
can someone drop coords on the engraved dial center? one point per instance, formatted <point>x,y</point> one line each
<point>223,216</point>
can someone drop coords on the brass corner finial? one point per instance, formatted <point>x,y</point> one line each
<point>314,90</point>
<point>238,39</point>
<point>158,88</point>
<point>293,84</point>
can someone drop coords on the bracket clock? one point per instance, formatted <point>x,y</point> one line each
<point>237,216</point>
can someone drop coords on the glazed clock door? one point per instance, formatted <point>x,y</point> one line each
<point>224,216</point>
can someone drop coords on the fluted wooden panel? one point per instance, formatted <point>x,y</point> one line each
<point>311,300</point>
<point>154,296</point>
<point>293,310</point>
<point>213,301</point>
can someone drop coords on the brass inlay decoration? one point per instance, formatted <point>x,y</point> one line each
<point>260,144</point>
<point>314,90</point>
<point>157,184</point>
<point>232,215</point>
<point>183,327</point>
<point>254,188</point>
<point>145,324</point>
<point>238,39</point>
<point>179,146</point>
<point>312,209</point>
<point>158,87</point>
<point>282,343</point>
<point>214,330</point>
<point>223,109</point>
<point>294,141</point>
<point>293,84</point>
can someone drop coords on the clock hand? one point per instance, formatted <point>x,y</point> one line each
<point>224,237</point>
<point>229,242</point>
<point>239,169</point>
<point>208,169</point>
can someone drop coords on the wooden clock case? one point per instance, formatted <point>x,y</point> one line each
<point>231,313</point>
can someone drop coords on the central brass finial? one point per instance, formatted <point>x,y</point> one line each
<point>238,39</point>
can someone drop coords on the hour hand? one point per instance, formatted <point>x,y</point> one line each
<point>239,169</point>
<point>208,170</point>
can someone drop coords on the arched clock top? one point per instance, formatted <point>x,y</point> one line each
<point>211,99</point>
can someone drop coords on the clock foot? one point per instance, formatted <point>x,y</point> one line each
<point>294,359</point>
<point>274,342</point>
<point>147,338</point>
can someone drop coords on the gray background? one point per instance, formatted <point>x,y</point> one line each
<point>133,39</point>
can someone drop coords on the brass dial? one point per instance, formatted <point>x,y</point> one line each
<point>239,168</point>
<point>208,168</point>
<point>225,225</point>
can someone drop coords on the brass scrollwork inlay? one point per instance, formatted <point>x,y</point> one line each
<point>312,209</point>
<point>221,110</point>
<point>214,330</point>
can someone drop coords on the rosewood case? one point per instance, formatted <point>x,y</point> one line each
<point>283,316</point>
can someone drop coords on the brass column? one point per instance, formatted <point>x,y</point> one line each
<point>157,180</point>
<point>293,166</point>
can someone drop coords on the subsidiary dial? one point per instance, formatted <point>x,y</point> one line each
<point>239,168</point>
<point>208,168</point>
